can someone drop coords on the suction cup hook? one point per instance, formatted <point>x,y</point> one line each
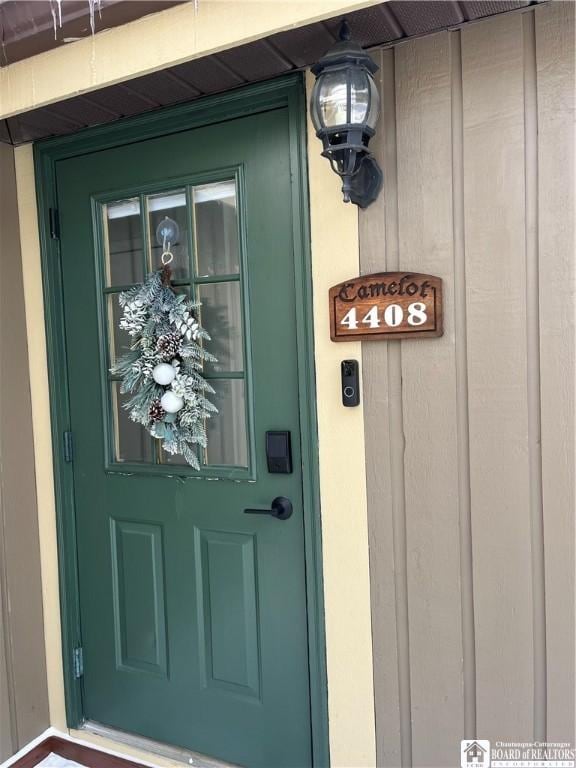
<point>167,235</point>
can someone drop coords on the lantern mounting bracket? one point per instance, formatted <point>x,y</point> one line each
<point>365,185</point>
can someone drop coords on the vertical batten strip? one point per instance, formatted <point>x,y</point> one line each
<point>556,88</point>
<point>462,415</point>
<point>9,740</point>
<point>494,211</point>
<point>400,551</point>
<point>374,224</point>
<point>425,204</point>
<point>533,373</point>
<point>398,481</point>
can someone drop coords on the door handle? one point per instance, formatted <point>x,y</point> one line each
<point>281,509</point>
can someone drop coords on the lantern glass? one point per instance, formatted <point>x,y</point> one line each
<point>344,108</point>
<point>359,96</point>
<point>374,110</point>
<point>337,92</point>
<point>331,99</point>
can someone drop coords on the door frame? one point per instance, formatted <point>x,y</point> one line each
<point>286,92</point>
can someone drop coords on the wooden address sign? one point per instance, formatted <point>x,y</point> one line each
<point>386,305</point>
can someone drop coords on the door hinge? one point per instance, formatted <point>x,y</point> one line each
<point>78,663</point>
<point>68,447</point>
<point>54,223</point>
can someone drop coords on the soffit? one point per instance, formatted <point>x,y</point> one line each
<point>260,60</point>
<point>29,27</point>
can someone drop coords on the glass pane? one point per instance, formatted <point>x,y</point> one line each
<point>166,209</point>
<point>131,441</point>
<point>332,99</point>
<point>119,340</point>
<point>173,459</point>
<point>221,316</point>
<point>226,430</point>
<point>359,96</point>
<point>216,219</point>
<point>372,118</point>
<point>124,263</point>
<point>185,289</point>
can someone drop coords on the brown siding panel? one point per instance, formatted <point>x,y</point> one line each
<point>428,396</point>
<point>556,87</point>
<point>378,227</point>
<point>479,595</point>
<point>492,63</point>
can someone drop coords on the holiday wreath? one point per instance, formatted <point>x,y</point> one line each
<point>163,368</point>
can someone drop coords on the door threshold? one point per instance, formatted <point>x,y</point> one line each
<point>181,756</point>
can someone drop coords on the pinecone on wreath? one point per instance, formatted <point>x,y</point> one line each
<point>156,412</point>
<point>168,345</point>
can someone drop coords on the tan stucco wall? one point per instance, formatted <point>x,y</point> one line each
<point>344,527</point>
<point>335,257</point>
<point>153,42</point>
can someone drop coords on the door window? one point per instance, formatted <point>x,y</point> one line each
<point>124,241</point>
<point>208,266</point>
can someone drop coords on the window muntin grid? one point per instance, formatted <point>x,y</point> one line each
<point>209,268</point>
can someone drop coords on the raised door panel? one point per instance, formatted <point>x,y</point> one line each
<point>227,611</point>
<point>139,600</point>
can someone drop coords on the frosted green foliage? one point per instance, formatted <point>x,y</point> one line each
<point>164,329</point>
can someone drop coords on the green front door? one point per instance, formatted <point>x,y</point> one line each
<point>193,612</point>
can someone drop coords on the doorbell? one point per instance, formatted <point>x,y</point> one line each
<point>350,382</point>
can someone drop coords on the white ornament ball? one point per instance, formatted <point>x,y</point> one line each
<point>171,403</point>
<point>164,374</point>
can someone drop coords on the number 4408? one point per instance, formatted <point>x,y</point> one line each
<point>393,316</point>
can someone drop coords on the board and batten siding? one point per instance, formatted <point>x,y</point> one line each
<point>23,685</point>
<point>470,438</point>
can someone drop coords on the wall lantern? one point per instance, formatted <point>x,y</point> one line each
<point>344,107</point>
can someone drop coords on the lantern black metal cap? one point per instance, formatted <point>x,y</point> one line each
<point>346,51</point>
